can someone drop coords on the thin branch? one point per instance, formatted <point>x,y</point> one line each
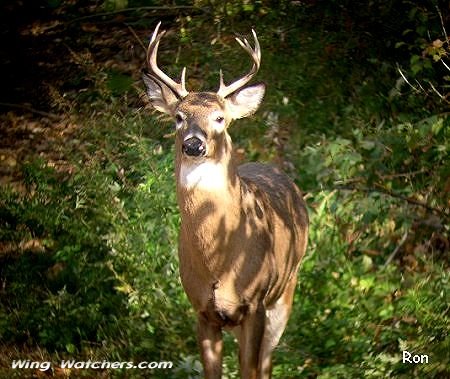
<point>52,116</point>
<point>423,90</point>
<point>421,87</point>
<point>396,250</point>
<point>384,191</point>
<point>443,25</point>
<point>133,9</point>
<point>405,79</point>
<point>445,64</point>
<point>403,174</point>
<point>411,201</point>
<point>137,38</point>
<point>360,179</point>
<point>437,92</point>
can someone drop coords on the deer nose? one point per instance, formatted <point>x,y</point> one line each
<point>194,147</point>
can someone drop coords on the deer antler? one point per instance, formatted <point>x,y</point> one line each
<point>255,53</point>
<point>152,52</point>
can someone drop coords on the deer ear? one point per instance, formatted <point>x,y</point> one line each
<point>160,95</point>
<point>246,101</point>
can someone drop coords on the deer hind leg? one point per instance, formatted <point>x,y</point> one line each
<point>210,341</point>
<point>250,335</point>
<point>276,320</point>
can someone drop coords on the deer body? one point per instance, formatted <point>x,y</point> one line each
<point>243,228</point>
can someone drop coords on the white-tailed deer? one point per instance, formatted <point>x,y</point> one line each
<point>243,228</point>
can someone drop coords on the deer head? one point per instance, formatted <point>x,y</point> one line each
<point>202,118</point>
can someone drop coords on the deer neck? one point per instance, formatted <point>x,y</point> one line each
<point>212,182</point>
<point>209,198</point>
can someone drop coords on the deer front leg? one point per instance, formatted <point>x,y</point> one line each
<point>250,340</point>
<point>210,341</point>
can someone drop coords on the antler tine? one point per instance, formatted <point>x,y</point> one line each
<point>155,33</point>
<point>255,53</point>
<point>152,52</point>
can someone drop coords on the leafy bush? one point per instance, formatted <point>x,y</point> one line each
<point>99,253</point>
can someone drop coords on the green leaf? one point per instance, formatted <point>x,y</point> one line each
<point>71,348</point>
<point>367,144</point>
<point>437,126</point>
<point>119,83</point>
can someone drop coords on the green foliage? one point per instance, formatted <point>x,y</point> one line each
<point>68,270</point>
<point>426,42</point>
<point>104,270</point>
<point>114,5</point>
<point>353,317</point>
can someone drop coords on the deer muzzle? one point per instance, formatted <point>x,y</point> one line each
<point>194,146</point>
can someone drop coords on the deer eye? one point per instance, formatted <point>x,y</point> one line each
<point>178,118</point>
<point>217,121</point>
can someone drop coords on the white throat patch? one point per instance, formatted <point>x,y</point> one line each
<point>206,175</point>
